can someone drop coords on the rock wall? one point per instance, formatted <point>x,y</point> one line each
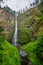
<point>7,22</point>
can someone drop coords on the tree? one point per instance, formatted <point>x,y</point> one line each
<point>1,1</point>
<point>41,1</point>
<point>21,10</point>
<point>26,7</point>
<point>30,4</point>
<point>9,10</point>
<point>36,1</point>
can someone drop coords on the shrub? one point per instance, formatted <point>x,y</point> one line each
<point>35,51</point>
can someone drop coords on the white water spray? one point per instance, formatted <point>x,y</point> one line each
<point>15,33</point>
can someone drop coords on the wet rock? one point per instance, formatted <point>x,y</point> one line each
<point>24,57</point>
<point>25,60</point>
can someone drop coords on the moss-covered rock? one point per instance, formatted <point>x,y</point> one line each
<point>8,53</point>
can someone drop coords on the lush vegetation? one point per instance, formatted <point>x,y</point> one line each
<point>8,53</point>
<point>29,24</point>
<point>30,34</point>
<point>35,51</point>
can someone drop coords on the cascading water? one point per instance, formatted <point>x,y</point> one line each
<point>15,43</point>
<point>15,33</point>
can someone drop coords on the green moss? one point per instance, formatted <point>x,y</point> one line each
<point>8,53</point>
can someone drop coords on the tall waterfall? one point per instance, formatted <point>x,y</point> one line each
<point>15,33</point>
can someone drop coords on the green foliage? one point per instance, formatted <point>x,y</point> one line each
<point>35,51</point>
<point>29,24</point>
<point>8,53</point>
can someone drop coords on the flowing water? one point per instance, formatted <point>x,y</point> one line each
<point>15,39</point>
<point>22,53</point>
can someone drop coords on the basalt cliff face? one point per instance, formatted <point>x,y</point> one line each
<point>7,23</point>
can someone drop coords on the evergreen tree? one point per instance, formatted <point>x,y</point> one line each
<point>26,7</point>
<point>36,1</point>
<point>21,10</point>
<point>30,4</point>
<point>41,1</point>
<point>1,1</point>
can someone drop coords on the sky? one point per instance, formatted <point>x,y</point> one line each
<point>17,4</point>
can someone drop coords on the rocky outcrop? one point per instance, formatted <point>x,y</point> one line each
<point>7,22</point>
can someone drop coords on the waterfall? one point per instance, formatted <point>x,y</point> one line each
<point>23,54</point>
<point>15,33</point>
